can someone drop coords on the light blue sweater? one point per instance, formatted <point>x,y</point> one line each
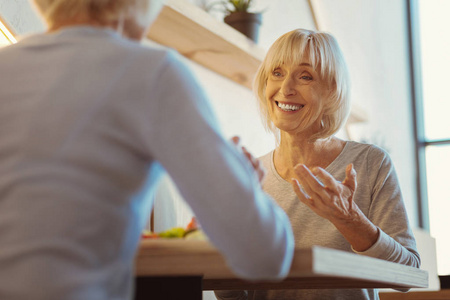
<point>86,118</point>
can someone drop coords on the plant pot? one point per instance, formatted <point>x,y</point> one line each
<point>246,23</point>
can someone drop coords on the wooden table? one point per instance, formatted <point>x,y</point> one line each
<point>426,295</point>
<point>189,266</point>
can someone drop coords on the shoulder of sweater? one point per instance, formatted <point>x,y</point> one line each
<point>266,156</point>
<point>151,50</point>
<point>370,149</point>
<point>266,159</point>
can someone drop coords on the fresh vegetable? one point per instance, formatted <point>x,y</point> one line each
<point>192,224</point>
<point>192,231</point>
<point>147,234</point>
<point>175,232</point>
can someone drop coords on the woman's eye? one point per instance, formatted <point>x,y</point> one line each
<point>276,73</point>
<point>306,77</point>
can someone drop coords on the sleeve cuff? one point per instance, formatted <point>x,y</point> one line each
<point>378,249</point>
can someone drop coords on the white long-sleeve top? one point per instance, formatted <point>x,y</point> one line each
<point>86,119</point>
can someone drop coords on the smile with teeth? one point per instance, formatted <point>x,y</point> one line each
<point>289,107</point>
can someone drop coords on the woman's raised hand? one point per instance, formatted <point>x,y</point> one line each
<point>333,200</point>
<point>256,164</point>
<point>327,197</point>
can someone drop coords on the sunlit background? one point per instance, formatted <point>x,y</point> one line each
<point>434,33</point>
<point>435,51</point>
<point>6,37</point>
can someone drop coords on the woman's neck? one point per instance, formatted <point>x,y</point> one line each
<point>83,21</point>
<point>300,150</point>
<point>128,28</point>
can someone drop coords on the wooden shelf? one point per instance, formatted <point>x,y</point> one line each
<point>200,37</point>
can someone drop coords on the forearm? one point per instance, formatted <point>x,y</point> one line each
<point>218,182</point>
<point>359,231</point>
<point>367,239</point>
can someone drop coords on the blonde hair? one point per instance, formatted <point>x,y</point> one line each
<point>324,54</point>
<point>102,11</point>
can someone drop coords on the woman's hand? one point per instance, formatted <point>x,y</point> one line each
<point>327,197</point>
<point>333,200</point>
<point>256,164</point>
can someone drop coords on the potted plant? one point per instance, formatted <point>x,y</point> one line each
<point>238,16</point>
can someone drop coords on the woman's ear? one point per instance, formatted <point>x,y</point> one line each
<point>139,19</point>
<point>132,29</point>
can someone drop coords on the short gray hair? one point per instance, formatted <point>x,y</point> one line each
<point>325,55</point>
<point>103,11</point>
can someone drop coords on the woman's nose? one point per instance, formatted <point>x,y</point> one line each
<point>288,87</point>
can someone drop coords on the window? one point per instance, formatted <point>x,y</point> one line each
<point>438,182</point>
<point>430,32</point>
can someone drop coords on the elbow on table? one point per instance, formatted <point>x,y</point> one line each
<point>267,267</point>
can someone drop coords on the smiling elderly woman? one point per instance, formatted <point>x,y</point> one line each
<point>337,194</point>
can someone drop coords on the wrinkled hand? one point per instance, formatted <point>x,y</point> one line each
<point>256,164</point>
<point>327,197</point>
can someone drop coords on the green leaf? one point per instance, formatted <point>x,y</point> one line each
<point>237,5</point>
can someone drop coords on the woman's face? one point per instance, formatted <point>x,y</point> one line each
<point>295,96</point>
